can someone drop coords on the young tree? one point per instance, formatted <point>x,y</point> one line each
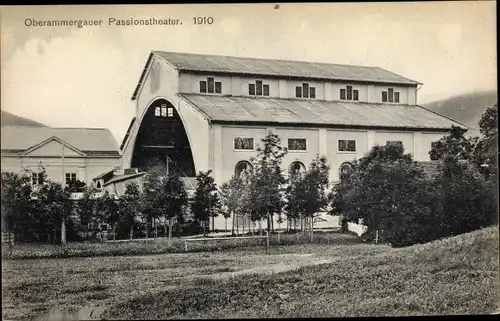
<point>55,201</point>
<point>267,183</point>
<point>86,209</point>
<point>315,184</point>
<point>154,181</point>
<point>294,198</point>
<point>206,201</point>
<point>16,203</point>
<point>106,210</point>
<point>129,206</point>
<point>232,197</point>
<point>172,200</point>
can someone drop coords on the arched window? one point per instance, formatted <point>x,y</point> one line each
<point>297,168</point>
<point>345,168</point>
<point>243,168</point>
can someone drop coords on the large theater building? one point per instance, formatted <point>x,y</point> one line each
<point>205,112</point>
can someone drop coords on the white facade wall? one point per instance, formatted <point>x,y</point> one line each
<point>84,168</point>
<point>237,85</point>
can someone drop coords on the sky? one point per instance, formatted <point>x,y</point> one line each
<point>85,77</point>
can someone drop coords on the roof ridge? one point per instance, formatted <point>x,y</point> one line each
<point>270,59</point>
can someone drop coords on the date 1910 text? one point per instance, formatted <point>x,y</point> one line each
<point>203,20</point>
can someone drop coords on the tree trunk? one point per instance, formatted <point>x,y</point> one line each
<point>55,234</point>
<point>213,223</point>
<point>170,223</point>
<point>225,227</point>
<point>243,225</point>
<point>114,233</point>
<point>63,232</point>
<point>156,228</point>
<point>272,223</point>
<point>131,232</point>
<point>312,228</point>
<point>165,226</point>
<point>232,231</point>
<point>253,228</point>
<point>237,226</point>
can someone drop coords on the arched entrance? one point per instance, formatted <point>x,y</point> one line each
<point>162,140</point>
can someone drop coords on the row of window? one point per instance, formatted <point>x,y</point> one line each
<point>304,91</point>
<point>37,178</point>
<point>210,86</point>
<point>244,168</point>
<point>164,111</point>
<point>300,144</point>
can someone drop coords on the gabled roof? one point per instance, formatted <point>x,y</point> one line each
<point>48,140</point>
<point>91,141</point>
<point>187,62</point>
<point>297,112</point>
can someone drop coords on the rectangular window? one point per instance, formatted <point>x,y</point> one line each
<point>384,96</point>
<point>211,85</point>
<point>157,111</point>
<point>396,97</point>
<point>258,87</point>
<point>390,94</point>
<point>203,86</point>
<point>70,177</point>
<point>312,92</point>
<point>251,89</point>
<point>266,90</point>
<point>297,144</point>
<point>305,90</point>
<point>36,178</point>
<point>298,92</point>
<point>347,145</point>
<point>163,110</point>
<point>395,143</point>
<point>355,95</point>
<point>342,94</point>
<point>170,112</point>
<point>243,143</point>
<point>349,92</point>
<point>218,87</point>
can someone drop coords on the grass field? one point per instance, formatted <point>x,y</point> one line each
<point>452,276</point>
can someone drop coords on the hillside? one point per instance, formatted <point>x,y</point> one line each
<point>466,108</point>
<point>14,120</point>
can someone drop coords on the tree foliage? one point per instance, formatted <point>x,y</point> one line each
<point>130,206</point>
<point>267,184</point>
<point>206,202</point>
<point>455,144</point>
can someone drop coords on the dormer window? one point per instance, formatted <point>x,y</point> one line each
<point>305,91</point>
<point>210,86</point>
<point>349,94</point>
<point>258,89</point>
<point>390,96</point>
